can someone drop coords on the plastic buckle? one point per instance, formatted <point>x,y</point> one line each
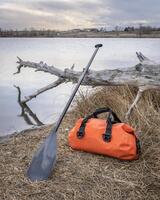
<point>80,133</point>
<point>107,137</point>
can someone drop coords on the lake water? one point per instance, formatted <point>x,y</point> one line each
<point>62,53</point>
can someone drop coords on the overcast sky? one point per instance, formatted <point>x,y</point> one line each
<point>69,14</point>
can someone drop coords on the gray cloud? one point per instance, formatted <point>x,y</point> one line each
<point>70,5</point>
<point>67,14</point>
<point>135,11</point>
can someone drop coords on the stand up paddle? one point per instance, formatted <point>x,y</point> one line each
<point>44,159</point>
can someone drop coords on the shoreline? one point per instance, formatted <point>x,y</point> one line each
<point>83,34</point>
<point>8,137</point>
<point>147,37</point>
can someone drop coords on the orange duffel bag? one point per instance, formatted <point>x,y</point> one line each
<point>109,137</point>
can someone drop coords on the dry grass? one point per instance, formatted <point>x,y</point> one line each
<point>84,176</point>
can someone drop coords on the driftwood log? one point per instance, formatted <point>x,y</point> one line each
<point>145,75</point>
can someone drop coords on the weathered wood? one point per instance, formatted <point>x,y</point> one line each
<point>48,87</point>
<point>145,76</point>
<point>146,72</point>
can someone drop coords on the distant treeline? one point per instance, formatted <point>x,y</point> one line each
<point>28,33</point>
<point>117,31</point>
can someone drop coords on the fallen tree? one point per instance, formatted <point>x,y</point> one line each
<point>145,75</point>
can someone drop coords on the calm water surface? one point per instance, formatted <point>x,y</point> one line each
<point>62,53</point>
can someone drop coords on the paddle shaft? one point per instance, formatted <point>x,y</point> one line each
<point>75,89</point>
<point>44,159</point>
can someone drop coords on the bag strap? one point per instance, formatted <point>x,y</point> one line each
<point>112,118</point>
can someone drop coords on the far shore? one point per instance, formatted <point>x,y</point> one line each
<point>88,36</point>
<point>83,35</point>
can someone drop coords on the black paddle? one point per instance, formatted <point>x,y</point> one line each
<point>45,158</point>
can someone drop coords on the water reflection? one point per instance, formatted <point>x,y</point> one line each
<point>29,117</point>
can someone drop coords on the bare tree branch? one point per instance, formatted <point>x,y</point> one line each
<point>141,90</point>
<point>48,87</point>
<point>145,75</point>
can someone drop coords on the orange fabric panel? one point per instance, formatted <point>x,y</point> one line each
<point>122,144</point>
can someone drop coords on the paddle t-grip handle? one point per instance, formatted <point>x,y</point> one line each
<point>98,45</point>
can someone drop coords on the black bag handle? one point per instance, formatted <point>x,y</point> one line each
<point>100,111</point>
<point>112,118</point>
<point>103,110</point>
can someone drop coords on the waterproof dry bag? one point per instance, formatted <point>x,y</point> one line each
<point>109,137</point>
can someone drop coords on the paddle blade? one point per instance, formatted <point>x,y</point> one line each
<point>44,159</point>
